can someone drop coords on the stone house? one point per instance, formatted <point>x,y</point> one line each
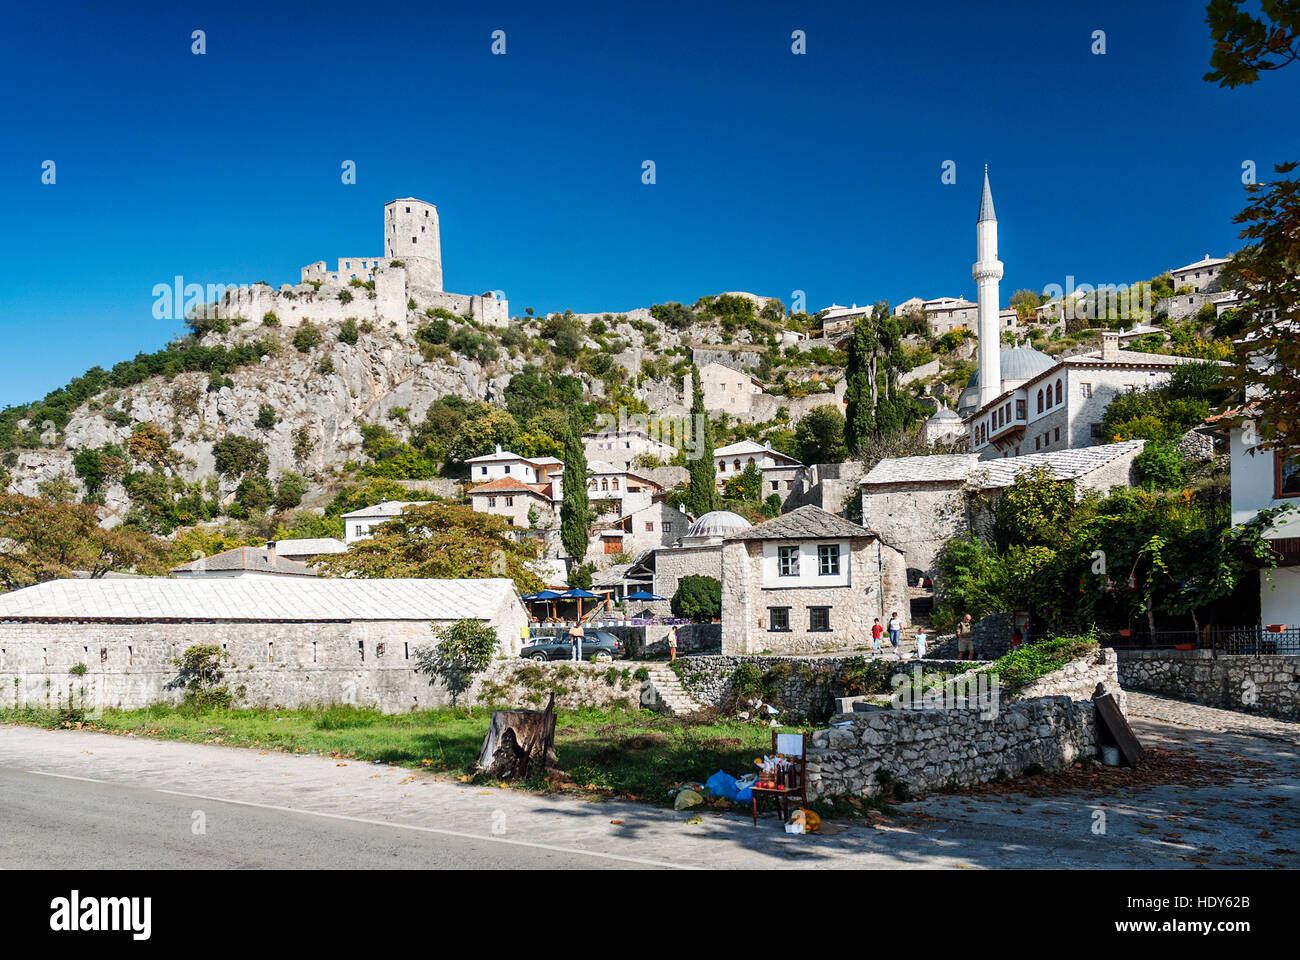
<point>1046,404</point>
<point>727,390</point>
<point>780,471</point>
<point>359,524</point>
<point>290,641</point>
<point>920,503</point>
<point>654,525</point>
<point>504,463</point>
<point>513,499</point>
<point>623,490</point>
<point>1201,276</point>
<point>621,447</point>
<point>808,581</point>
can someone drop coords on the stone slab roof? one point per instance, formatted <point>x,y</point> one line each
<point>940,468</point>
<point>806,523</point>
<point>389,508</point>
<point>1064,464</point>
<point>250,559</point>
<point>257,599</point>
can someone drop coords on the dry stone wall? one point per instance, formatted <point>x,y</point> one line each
<point>1267,684</point>
<point>934,749</point>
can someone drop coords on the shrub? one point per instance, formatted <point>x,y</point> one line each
<point>345,296</point>
<point>306,336</point>
<point>699,598</point>
<point>348,332</point>
<point>265,417</point>
<point>269,319</point>
<point>1161,465</point>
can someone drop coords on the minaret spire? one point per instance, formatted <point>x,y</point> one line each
<point>987,271</point>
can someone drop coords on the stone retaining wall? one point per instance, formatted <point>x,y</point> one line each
<point>803,688</point>
<point>933,749</point>
<point>1079,678</point>
<point>1268,685</point>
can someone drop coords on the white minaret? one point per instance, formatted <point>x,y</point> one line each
<point>987,271</point>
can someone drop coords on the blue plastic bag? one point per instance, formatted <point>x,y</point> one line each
<point>721,784</point>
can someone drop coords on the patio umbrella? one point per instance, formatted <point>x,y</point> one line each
<point>544,595</point>
<point>644,595</point>
<point>579,594</point>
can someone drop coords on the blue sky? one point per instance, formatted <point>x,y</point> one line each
<point>775,172</point>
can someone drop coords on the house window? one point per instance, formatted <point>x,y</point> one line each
<point>361,650</point>
<point>510,501</point>
<point>787,561</point>
<point>1058,391</point>
<point>668,526</point>
<point>613,484</point>
<point>1094,430</point>
<point>408,209</point>
<point>736,464</point>
<point>1036,443</point>
<point>722,466</point>
<point>492,502</point>
<point>1020,409</point>
<point>1040,401</point>
<point>507,468</point>
<point>778,619</point>
<point>819,619</point>
<point>828,560</point>
<point>482,470</point>
<point>1085,390</point>
<point>776,484</point>
<point>1058,434</point>
<point>1286,476</point>
<point>604,484</point>
<point>649,526</point>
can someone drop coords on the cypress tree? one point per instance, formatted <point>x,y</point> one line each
<point>702,491</point>
<point>575,507</point>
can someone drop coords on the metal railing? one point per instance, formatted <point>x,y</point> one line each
<point>1235,640</point>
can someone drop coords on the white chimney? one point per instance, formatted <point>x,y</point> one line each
<point>270,552</point>
<point>1110,345</point>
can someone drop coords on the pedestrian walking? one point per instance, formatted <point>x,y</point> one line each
<point>877,631</point>
<point>575,637</point>
<point>895,630</point>
<point>672,644</point>
<point>965,642</point>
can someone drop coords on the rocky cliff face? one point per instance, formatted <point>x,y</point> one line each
<point>369,379</point>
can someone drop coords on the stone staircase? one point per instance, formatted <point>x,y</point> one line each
<point>668,692</point>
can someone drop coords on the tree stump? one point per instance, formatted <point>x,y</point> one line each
<point>517,738</point>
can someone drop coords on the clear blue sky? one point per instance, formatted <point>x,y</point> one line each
<point>775,172</point>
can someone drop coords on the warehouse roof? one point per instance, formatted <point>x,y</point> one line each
<point>253,599</point>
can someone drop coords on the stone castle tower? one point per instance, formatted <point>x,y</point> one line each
<point>411,235</point>
<point>987,271</point>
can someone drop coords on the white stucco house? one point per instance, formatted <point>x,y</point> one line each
<point>1262,479</point>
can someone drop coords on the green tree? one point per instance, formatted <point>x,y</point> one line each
<point>236,456</point>
<point>698,598</point>
<point>1268,360</point>
<point>702,490</point>
<point>348,332</point>
<point>265,417</point>
<point>820,435</point>
<point>1161,465</point>
<point>747,485</point>
<point>463,650</point>
<point>440,541</point>
<point>575,507</point>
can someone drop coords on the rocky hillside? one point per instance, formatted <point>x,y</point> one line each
<point>306,394</point>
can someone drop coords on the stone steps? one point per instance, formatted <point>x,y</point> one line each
<point>672,696</point>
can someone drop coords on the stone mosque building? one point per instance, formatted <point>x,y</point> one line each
<point>1021,401</point>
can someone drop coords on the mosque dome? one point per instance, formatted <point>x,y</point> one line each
<point>945,414</point>
<point>1020,364</point>
<point>718,523</point>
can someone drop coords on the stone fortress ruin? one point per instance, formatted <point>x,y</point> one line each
<point>375,288</point>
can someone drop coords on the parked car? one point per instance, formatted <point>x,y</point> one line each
<point>596,645</point>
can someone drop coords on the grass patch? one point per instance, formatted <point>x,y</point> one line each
<point>1019,668</point>
<point>629,754</point>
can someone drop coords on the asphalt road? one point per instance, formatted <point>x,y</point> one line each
<point>52,821</point>
<point>74,799</point>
